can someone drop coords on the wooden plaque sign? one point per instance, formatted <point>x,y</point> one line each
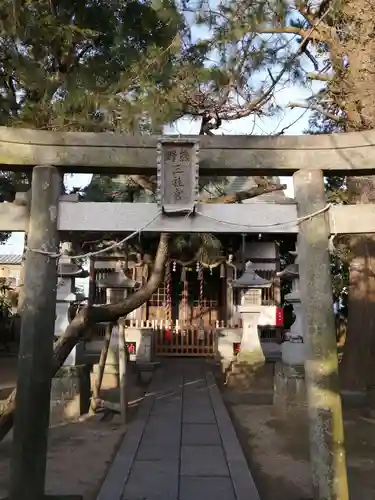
<point>177,175</point>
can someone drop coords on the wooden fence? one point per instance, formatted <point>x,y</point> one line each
<point>188,340</point>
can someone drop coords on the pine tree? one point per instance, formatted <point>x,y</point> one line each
<point>128,67</point>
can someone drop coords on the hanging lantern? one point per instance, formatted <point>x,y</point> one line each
<point>174,266</point>
<point>201,294</point>
<point>168,305</point>
<point>197,267</point>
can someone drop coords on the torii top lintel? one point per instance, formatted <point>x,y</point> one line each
<point>87,152</point>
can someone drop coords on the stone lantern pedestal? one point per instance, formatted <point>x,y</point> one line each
<point>290,386</point>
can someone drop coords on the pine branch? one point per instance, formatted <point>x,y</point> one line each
<point>255,105</point>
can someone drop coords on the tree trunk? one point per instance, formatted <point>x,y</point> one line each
<point>356,369</point>
<point>101,367</point>
<point>81,326</point>
<point>354,90</point>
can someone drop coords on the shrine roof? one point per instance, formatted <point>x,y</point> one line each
<point>10,259</point>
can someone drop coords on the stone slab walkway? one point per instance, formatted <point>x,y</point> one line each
<point>182,445</point>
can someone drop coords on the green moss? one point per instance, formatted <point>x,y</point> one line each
<point>71,371</point>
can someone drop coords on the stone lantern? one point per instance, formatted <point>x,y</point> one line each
<point>251,309</point>
<point>117,286</point>
<point>70,387</point>
<point>65,295</point>
<point>293,349</point>
<point>290,386</point>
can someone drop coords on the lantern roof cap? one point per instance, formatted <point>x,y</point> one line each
<point>116,280</point>
<point>250,279</point>
<point>70,269</point>
<point>289,273</point>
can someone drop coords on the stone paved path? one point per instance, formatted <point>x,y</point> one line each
<point>182,446</point>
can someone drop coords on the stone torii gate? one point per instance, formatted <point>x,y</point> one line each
<point>49,217</point>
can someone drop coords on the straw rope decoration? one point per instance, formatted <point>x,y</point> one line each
<point>201,291</point>
<point>168,304</point>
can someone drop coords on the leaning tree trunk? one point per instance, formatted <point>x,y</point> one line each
<point>101,368</point>
<point>81,326</point>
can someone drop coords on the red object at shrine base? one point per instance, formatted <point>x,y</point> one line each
<point>279,316</point>
<point>168,335</point>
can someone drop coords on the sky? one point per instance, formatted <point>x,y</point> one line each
<point>295,119</point>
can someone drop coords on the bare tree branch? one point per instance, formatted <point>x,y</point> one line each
<point>263,186</point>
<point>246,195</point>
<point>319,76</point>
<point>147,183</point>
<point>309,35</point>
<point>314,107</point>
<point>255,105</point>
<point>284,129</point>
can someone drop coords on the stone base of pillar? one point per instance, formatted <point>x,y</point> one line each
<point>141,339</point>
<point>70,393</point>
<point>227,338</point>
<point>293,353</point>
<point>250,372</point>
<point>111,365</point>
<point>254,357</point>
<point>289,389</point>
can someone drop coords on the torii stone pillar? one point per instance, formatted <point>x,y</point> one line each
<point>35,361</point>
<point>327,451</point>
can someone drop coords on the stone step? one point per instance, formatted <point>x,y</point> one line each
<point>249,369</point>
<point>252,397</point>
<point>247,384</point>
